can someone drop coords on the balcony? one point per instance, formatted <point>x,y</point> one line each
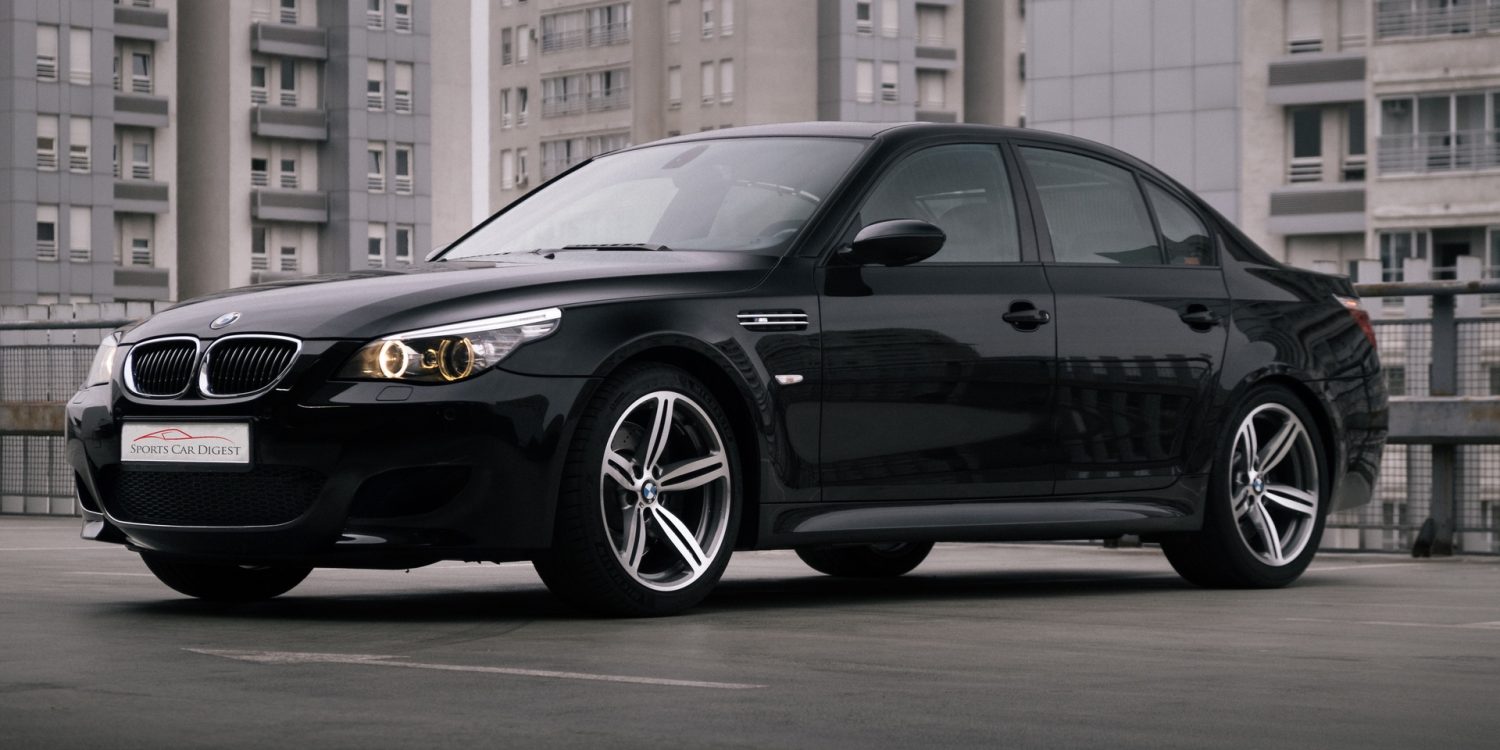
<point>141,197</point>
<point>1400,20</point>
<point>618,98</point>
<point>289,41</point>
<point>142,282</point>
<point>142,23</point>
<point>303,206</point>
<point>294,124</point>
<point>1317,209</point>
<point>554,106</point>
<point>141,110</point>
<point>1454,151</point>
<point>1317,79</point>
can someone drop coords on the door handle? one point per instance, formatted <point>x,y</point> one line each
<point>1025,316</point>
<point>1200,318</point>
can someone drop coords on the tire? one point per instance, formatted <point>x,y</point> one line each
<point>225,583</point>
<point>649,509</point>
<point>866,560</point>
<point>1281,495</point>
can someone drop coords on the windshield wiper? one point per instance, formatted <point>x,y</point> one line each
<point>648,246</point>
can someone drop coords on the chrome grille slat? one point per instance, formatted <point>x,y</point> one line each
<point>245,365</point>
<point>161,368</point>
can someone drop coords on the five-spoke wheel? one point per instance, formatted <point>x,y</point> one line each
<point>650,503</point>
<point>1265,508</point>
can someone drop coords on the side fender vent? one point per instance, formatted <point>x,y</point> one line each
<point>773,320</point>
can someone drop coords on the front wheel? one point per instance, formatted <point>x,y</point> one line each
<point>1266,506</point>
<point>226,583</point>
<point>866,560</point>
<point>650,501</point>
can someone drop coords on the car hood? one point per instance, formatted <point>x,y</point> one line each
<point>371,303</point>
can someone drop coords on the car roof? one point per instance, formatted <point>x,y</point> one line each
<point>903,131</point>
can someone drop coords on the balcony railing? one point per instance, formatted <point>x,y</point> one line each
<point>618,98</point>
<point>80,77</point>
<point>553,106</point>
<point>79,254</point>
<point>403,24</point>
<point>402,102</point>
<point>374,20</point>
<point>557,41</point>
<point>140,85</point>
<point>375,183</point>
<point>259,179</point>
<point>46,161</point>
<point>289,16</point>
<point>609,33</point>
<point>140,256</point>
<point>46,250</point>
<point>79,162</point>
<point>374,101</point>
<point>1397,19</point>
<point>289,180</point>
<point>1463,150</point>
<point>1303,46</point>
<point>259,96</point>
<point>140,171</point>
<point>1305,169</point>
<point>932,40</point>
<point>46,68</point>
<point>403,185</point>
<point>288,98</point>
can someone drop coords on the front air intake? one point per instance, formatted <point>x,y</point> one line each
<point>161,368</point>
<point>246,365</point>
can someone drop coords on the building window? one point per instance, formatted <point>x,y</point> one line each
<point>932,89</point>
<point>609,89</point>
<point>707,16</point>
<point>608,24</point>
<point>375,169</point>
<point>140,252</point>
<point>507,45</point>
<point>1399,245</point>
<point>259,172</point>
<point>932,25</point>
<point>507,169</point>
<point>674,21</point>
<point>80,57</point>
<point>888,79</point>
<point>890,18</point>
<point>375,15</point>
<point>80,132</point>
<point>46,143</point>
<point>726,81</point>
<point>288,83</point>
<point>402,97</point>
<point>403,244</point>
<point>80,229</point>
<point>562,95</point>
<point>674,87</point>
<point>1307,144</point>
<point>1354,142</point>
<point>1304,26</point>
<point>375,254</point>
<point>523,44</point>
<point>46,52</point>
<point>46,232</point>
<point>523,102</point>
<point>289,174</point>
<point>289,259</point>
<point>505,114</point>
<point>598,145</point>
<point>864,17</point>
<point>864,81</point>
<point>375,85</point>
<point>1439,132</point>
<point>288,11</point>
<point>522,176</point>
<point>259,259</point>
<point>726,18</point>
<point>258,92</point>
<point>559,155</point>
<point>404,169</point>
<point>402,10</point>
<point>140,72</point>
<point>706,81</point>
<point>140,160</point>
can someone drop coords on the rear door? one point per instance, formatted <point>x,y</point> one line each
<point>1142,313</point>
<point>929,394</point>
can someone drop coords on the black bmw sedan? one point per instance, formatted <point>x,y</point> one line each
<point>845,339</point>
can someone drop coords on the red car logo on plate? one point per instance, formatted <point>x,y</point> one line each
<point>172,433</point>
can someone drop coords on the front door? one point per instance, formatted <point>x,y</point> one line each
<point>1142,314</point>
<point>928,392</point>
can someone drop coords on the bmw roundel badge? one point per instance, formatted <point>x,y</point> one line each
<point>224,320</point>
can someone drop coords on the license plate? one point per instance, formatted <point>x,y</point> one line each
<point>186,442</point>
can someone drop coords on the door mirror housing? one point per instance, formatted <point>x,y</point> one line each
<point>898,242</point>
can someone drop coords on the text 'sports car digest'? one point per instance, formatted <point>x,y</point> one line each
<point>849,340</point>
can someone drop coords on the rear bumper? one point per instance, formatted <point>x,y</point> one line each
<point>343,474</point>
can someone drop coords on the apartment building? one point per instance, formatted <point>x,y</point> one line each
<point>308,145</point>
<point>87,212</point>
<point>568,80</point>
<point>1331,131</point>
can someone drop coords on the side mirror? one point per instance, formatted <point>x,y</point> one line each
<point>898,242</point>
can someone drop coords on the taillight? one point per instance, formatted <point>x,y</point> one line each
<point>1360,316</point>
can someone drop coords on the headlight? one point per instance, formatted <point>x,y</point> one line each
<point>448,353</point>
<point>103,367</point>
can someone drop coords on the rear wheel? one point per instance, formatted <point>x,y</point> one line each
<point>866,560</point>
<point>226,583</point>
<point>1266,505</point>
<point>650,502</point>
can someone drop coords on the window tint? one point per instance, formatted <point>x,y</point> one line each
<point>962,190</point>
<point>1095,213</point>
<point>1187,241</point>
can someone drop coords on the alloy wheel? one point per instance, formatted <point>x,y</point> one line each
<point>1274,489</point>
<point>664,486</point>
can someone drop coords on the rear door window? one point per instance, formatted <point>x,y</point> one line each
<point>1094,209</point>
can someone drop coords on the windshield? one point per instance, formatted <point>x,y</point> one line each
<point>742,194</point>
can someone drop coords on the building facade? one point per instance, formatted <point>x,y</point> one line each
<point>1331,131</point>
<point>309,149</point>
<point>564,80</point>
<point>87,210</point>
